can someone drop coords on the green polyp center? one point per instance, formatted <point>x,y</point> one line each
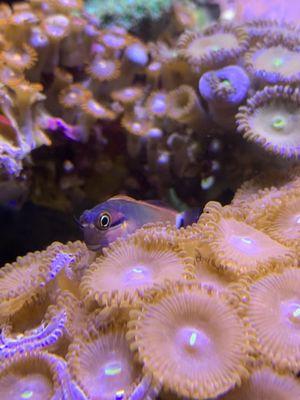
<point>27,394</point>
<point>279,123</point>
<point>225,83</point>
<point>215,48</point>
<point>278,62</point>
<point>113,369</point>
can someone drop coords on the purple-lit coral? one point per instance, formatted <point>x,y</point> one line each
<point>193,335</point>
<point>104,366</point>
<point>183,105</point>
<point>270,119</point>
<point>266,384</point>
<point>237,247</point>
<point>129,270</point>
<point>281,222</point>
<point>273,312</point>
<point>218,46</point>
<point>226,87</point>
<point>31,374</point>
<point>129,81</point>
<point>224,90</point>
<point>178,290</point>
<point>274,61</point>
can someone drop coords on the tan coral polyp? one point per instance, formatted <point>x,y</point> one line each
<point>103,70</point>
<point>30,315</point>
<point>56,26</point>
<point>220,44</point>
<point>274,314</point>
<point>180,339</point>
<point>29,275</point>
<point>29,374</point>
<point>127,95</point>
<point>183,104</point>
<point>130,269</point>
<point>206,273</point>
<point>19,281</point>
<point>267,186</point>
<point>66,5</point>
<point>240,248</point>
<point>73,95</point>
<point>266,384</point>
<point>283,224</point>
<point>96,110</point>
<point>138,127</point>
<point>19,58</point>
<point>103,365</point>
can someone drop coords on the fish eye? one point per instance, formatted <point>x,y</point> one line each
<point>103,221</point>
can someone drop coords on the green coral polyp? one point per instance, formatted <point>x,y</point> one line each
<point>127,13</point>
<point>279,123</point>
<point>278,62</point>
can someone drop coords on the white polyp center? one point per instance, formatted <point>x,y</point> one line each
<point>113,40</point>
<point>192,340</point>
<point>96,107</point>
<point>104,68</point>
<point>245,244</point>
<point>68,3</point>
<point>292,311</point>
<point>159,104</point>
<point>138,274</point>
<point>298,219</point>
<point>136,127</point>
<point>164,158</point>
<point>56,25</point>
<point>155,66</point>
<point>129,92</point>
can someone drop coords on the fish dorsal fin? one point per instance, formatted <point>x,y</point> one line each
<point>123,197</point>
<point>158,203</point>
<point>153,203</point>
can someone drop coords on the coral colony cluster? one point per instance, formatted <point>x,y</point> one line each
<point>174,110</point>
<point>128,13</point>
<point>211,311</point>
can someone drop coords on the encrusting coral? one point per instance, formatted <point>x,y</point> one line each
<point>221,295</point>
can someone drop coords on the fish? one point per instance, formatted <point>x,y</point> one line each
<point>120,216</point>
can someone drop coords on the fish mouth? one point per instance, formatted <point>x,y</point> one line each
<point>93,247</point>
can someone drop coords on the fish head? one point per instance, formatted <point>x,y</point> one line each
<point>104,224</point>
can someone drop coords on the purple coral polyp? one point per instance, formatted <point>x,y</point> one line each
<point>137,54</point>
<point>228,85</point>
